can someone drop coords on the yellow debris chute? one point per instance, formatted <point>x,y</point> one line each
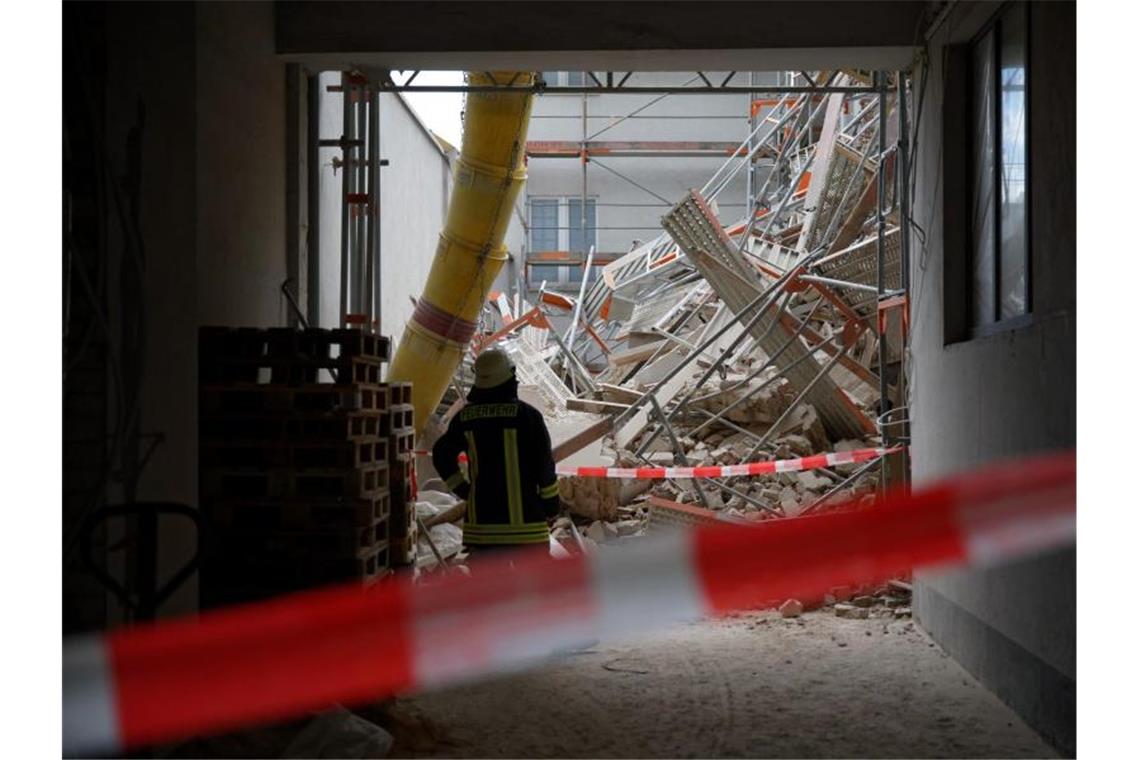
<point>486,179</point>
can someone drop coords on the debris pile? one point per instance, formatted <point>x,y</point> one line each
<point>885,601</point>
<point>727,343</point>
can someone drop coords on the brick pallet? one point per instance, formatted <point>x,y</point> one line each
<point>296,446</point>
<point>283,569</point>
<point>255,398</point>
<point>296,453</point>
<point>298,426</point>
<point>299,515</point>
<point>288,356</point>
<point>332,483</point>
<point>401,393</point>
<point>401,469</point>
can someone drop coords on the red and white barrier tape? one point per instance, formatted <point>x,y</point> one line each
<point>797,464</point>
<point>272,660</point>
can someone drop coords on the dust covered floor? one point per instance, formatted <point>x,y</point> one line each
<point>756,685</point>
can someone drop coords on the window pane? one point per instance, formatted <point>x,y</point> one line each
<point>550,77</point>
<point>1011,284</point>
<point>574,220</point>
<point>575,78</point>
<point>544,224</point>
<point>575,272</point>
<point>544,272</point>
<point>983,192</point>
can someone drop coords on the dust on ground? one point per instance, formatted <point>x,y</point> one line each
<point>754,685</point>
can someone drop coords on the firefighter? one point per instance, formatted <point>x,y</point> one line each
<point>510,486</point>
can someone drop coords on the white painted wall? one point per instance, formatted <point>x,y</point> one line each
<point>413,206</point>
<point>515,240</point>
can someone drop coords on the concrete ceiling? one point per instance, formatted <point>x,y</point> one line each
<point>601,36</point>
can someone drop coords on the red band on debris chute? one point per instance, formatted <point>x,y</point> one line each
<point>277,659</point>
<point>442,322</point>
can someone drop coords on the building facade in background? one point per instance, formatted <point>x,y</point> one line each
<point>643,152</point>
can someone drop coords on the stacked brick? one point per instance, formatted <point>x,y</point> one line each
<point>401,473</point>
<point>295,460</point>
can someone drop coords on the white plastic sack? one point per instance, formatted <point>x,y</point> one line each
<point>448,539</point>
<point>339,733</point>
<point>437,499</point>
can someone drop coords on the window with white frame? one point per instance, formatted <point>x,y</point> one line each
<point>544,235</point>
<point>556,229</point>
<point>583,233</point>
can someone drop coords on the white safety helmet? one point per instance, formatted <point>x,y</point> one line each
<point>493,368</point>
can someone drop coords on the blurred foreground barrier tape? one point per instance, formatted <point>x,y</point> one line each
<point>171,680</point>
<point>798,464</point>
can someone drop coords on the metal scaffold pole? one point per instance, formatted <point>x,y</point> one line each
<point>345,180</point>
<point>880,271</point>
<point>361,265</point>
<point>369,207</point>
<point>902,184</point>
<point>374,210</point>
<point>750,175</point>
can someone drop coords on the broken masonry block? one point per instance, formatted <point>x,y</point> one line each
<point>850,611</point>
<point>791,608</point>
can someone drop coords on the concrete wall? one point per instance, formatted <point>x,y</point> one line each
<point>981,400</point>
<point>197,88</point>
<point>241,167</point>
<point>151,81</point>
<point>669,35</point>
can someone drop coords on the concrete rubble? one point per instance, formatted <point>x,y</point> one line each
<point>791,608</point>
<point>851,611</point>
<point>863,602</point>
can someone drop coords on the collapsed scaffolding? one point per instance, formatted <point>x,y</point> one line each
<point>777,335</point>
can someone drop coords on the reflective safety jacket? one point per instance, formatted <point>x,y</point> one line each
<point>510,485</point>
